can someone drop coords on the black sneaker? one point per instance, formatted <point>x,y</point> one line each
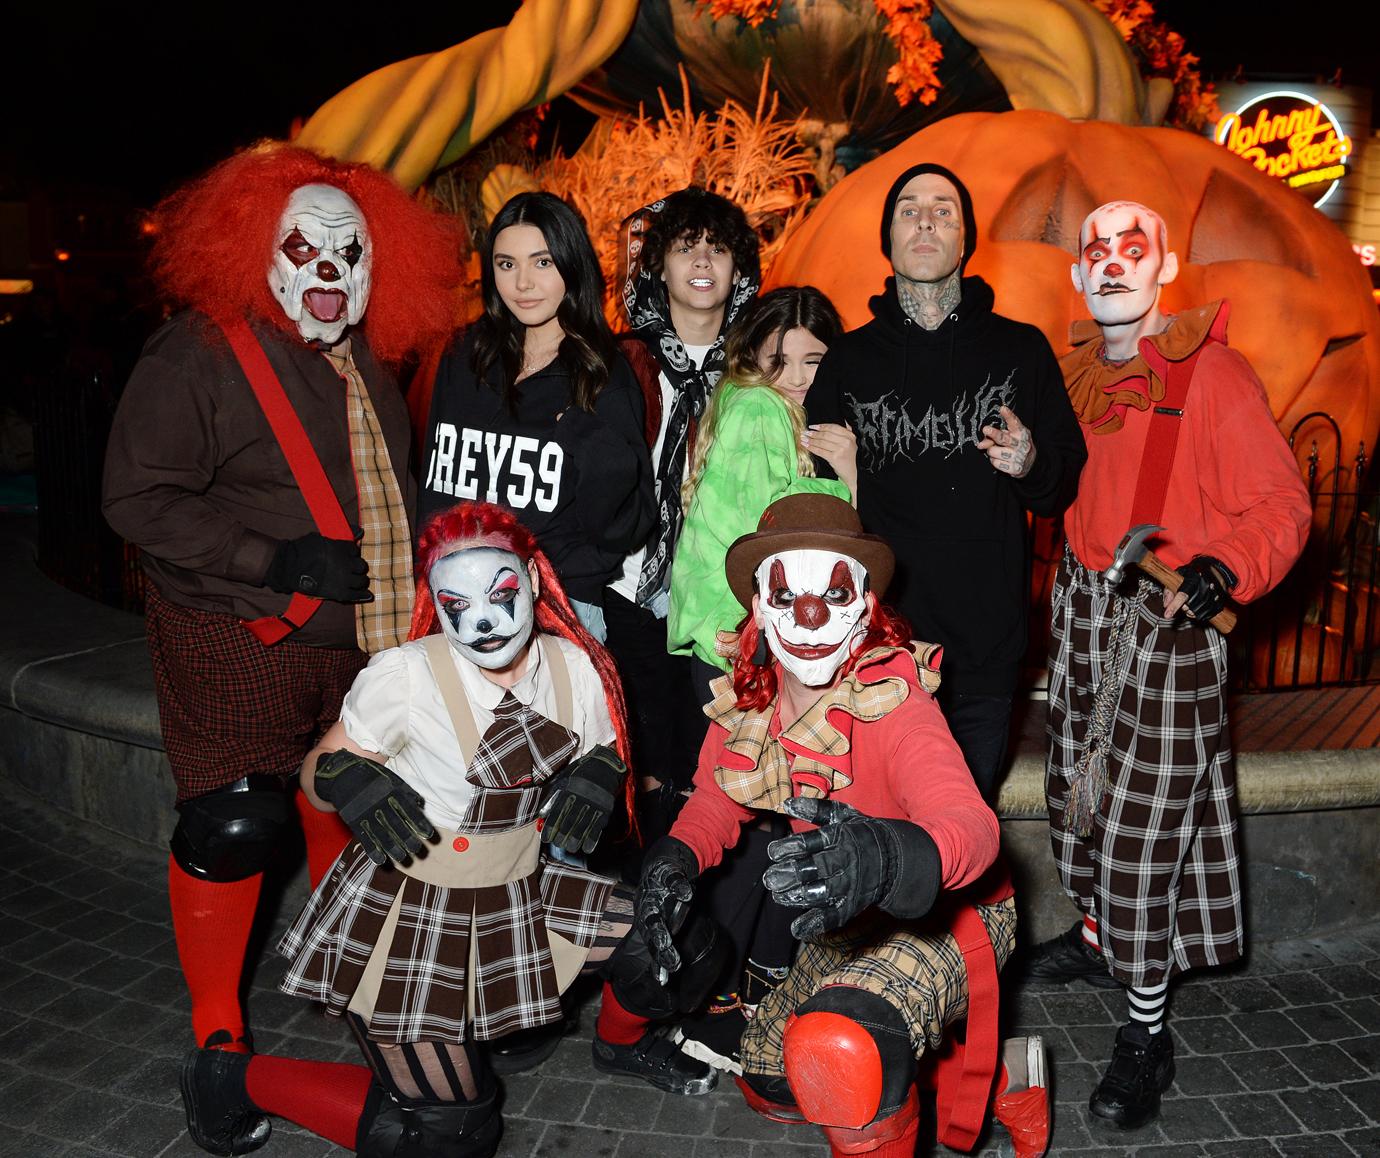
<point>655,1059</point>
<point>1142,1066</point>
<point>220,1117</point>
<point>714,1035</point>
<point>1068,957</point>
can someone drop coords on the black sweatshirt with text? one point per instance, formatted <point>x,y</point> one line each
<point>917,400</point>
<point>582,485</point>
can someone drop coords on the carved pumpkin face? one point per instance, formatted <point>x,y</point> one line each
<point>1302,311</point>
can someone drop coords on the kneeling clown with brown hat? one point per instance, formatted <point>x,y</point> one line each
<point>829,718</point>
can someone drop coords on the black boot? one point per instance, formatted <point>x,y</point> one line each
<point>220,1117</point>
<point>1068,957</point>
<point>392,1129</point>
<point>515,1053</point>
<point>655,1059</point>
<point>1142,1066</point>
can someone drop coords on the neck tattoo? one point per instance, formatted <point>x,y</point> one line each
<point>928,303</point>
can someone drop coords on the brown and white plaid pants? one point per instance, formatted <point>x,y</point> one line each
<point>1161,870</point>
<point>916,966</point>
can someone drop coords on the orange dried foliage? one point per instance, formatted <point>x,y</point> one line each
<point>1160,51</point>
<point>749,156</point>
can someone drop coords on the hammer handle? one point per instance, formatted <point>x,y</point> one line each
<point>1171,580</point>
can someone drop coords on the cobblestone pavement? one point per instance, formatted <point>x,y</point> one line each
<point>1280,1056</point>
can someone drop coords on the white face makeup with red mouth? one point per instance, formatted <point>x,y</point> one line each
<point>1122,262</point>
<point>320,270</point>
<point>812,606</point>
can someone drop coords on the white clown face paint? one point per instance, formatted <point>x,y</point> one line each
<point>320,270</point>
<point>484,602</point>
<point>1123,263</point>
<point>812,606</point>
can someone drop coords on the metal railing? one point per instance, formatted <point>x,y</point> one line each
<point>1321,626</point>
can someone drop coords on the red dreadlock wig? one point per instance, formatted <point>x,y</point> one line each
<point>755,684</point>
<point>215,237</point>
<point>484,524</point>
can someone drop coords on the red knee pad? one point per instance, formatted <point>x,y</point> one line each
<point>834,1069</point>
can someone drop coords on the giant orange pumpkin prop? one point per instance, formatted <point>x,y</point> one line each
<point>1302,310</point>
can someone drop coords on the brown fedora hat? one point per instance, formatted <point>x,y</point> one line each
<point>807,522</point>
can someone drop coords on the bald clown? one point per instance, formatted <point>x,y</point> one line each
<point>1141,782</point>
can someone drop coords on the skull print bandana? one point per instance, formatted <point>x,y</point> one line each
<point>321,267</point>
<point>484,603</point>
<point>813,606</point>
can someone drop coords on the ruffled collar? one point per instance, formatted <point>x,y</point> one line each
<point>1101,391</point>
<point>762,766</point>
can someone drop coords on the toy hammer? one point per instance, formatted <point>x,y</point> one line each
<point>1132,551</point>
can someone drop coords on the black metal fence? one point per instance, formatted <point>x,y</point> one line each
<point>1321,625</point>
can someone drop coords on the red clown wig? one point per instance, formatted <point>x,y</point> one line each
<point>484,524</point>
<point>215,237</point>
<point>755,684</point>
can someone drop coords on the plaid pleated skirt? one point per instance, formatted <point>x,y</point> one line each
<point>419,958</point>
<point>1161,869</point>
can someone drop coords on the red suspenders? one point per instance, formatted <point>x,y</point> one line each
<point>306,469</point>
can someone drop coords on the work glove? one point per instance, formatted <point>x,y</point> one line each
<point>663,896</point>
<point>385,815</point>
<point>848,863</point>
<point>331,569</point>
<point>581,799</point>
<point>1206,583</point>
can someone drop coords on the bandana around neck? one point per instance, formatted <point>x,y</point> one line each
<point>648,310</point>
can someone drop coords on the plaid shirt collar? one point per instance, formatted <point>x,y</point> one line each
<point>762,766</point>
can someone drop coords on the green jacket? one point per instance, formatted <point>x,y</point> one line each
<point>752,463</point>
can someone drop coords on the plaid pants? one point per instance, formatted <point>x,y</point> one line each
<point>1161,868</point>
<point>916,966</point>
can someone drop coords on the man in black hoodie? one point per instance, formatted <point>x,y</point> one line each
<point>963,426</point>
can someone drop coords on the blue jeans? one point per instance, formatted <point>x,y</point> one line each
<point>591,616</point>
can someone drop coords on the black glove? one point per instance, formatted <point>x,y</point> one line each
<point>1206,583</point>
<point>326,568</point>
<point>849,862</point>
<point>663,895</point>
<point>382,811</point>
<point>580,801</point>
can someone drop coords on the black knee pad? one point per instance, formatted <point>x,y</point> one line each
<point>389,1128</point>
<point>233,832</point>
<point>887,1028</point>
<point>704,950</point>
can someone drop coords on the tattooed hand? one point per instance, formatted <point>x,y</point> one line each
<point>1011,451</point>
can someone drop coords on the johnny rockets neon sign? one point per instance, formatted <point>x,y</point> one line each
<point>1291,136</point>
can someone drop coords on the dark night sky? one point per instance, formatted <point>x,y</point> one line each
<point>139,97</point>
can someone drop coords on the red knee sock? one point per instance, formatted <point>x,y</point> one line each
<point>1090,932</point>
<point>211,921</point>
<point>326,1098</point>
<point>902,1147</point>
<point>326,836</point>
<point>615,1024</point>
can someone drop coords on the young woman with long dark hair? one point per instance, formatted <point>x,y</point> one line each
<point>536,410</point>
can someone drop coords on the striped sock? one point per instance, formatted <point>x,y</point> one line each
<point>1090,932</point>
<point>1147,1005</point>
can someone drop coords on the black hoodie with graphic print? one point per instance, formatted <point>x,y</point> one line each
<point>917,400</point>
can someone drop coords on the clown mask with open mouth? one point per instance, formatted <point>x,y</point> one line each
<point>812,606</point>
<point>320,270</point>
<point>485,604</point>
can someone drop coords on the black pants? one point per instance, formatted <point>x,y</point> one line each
<point>981,725</point>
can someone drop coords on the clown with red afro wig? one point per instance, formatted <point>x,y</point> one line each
<point>213,236</point>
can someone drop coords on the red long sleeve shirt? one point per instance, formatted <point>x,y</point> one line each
<point>904,766</point>
<point>1235,491</point>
